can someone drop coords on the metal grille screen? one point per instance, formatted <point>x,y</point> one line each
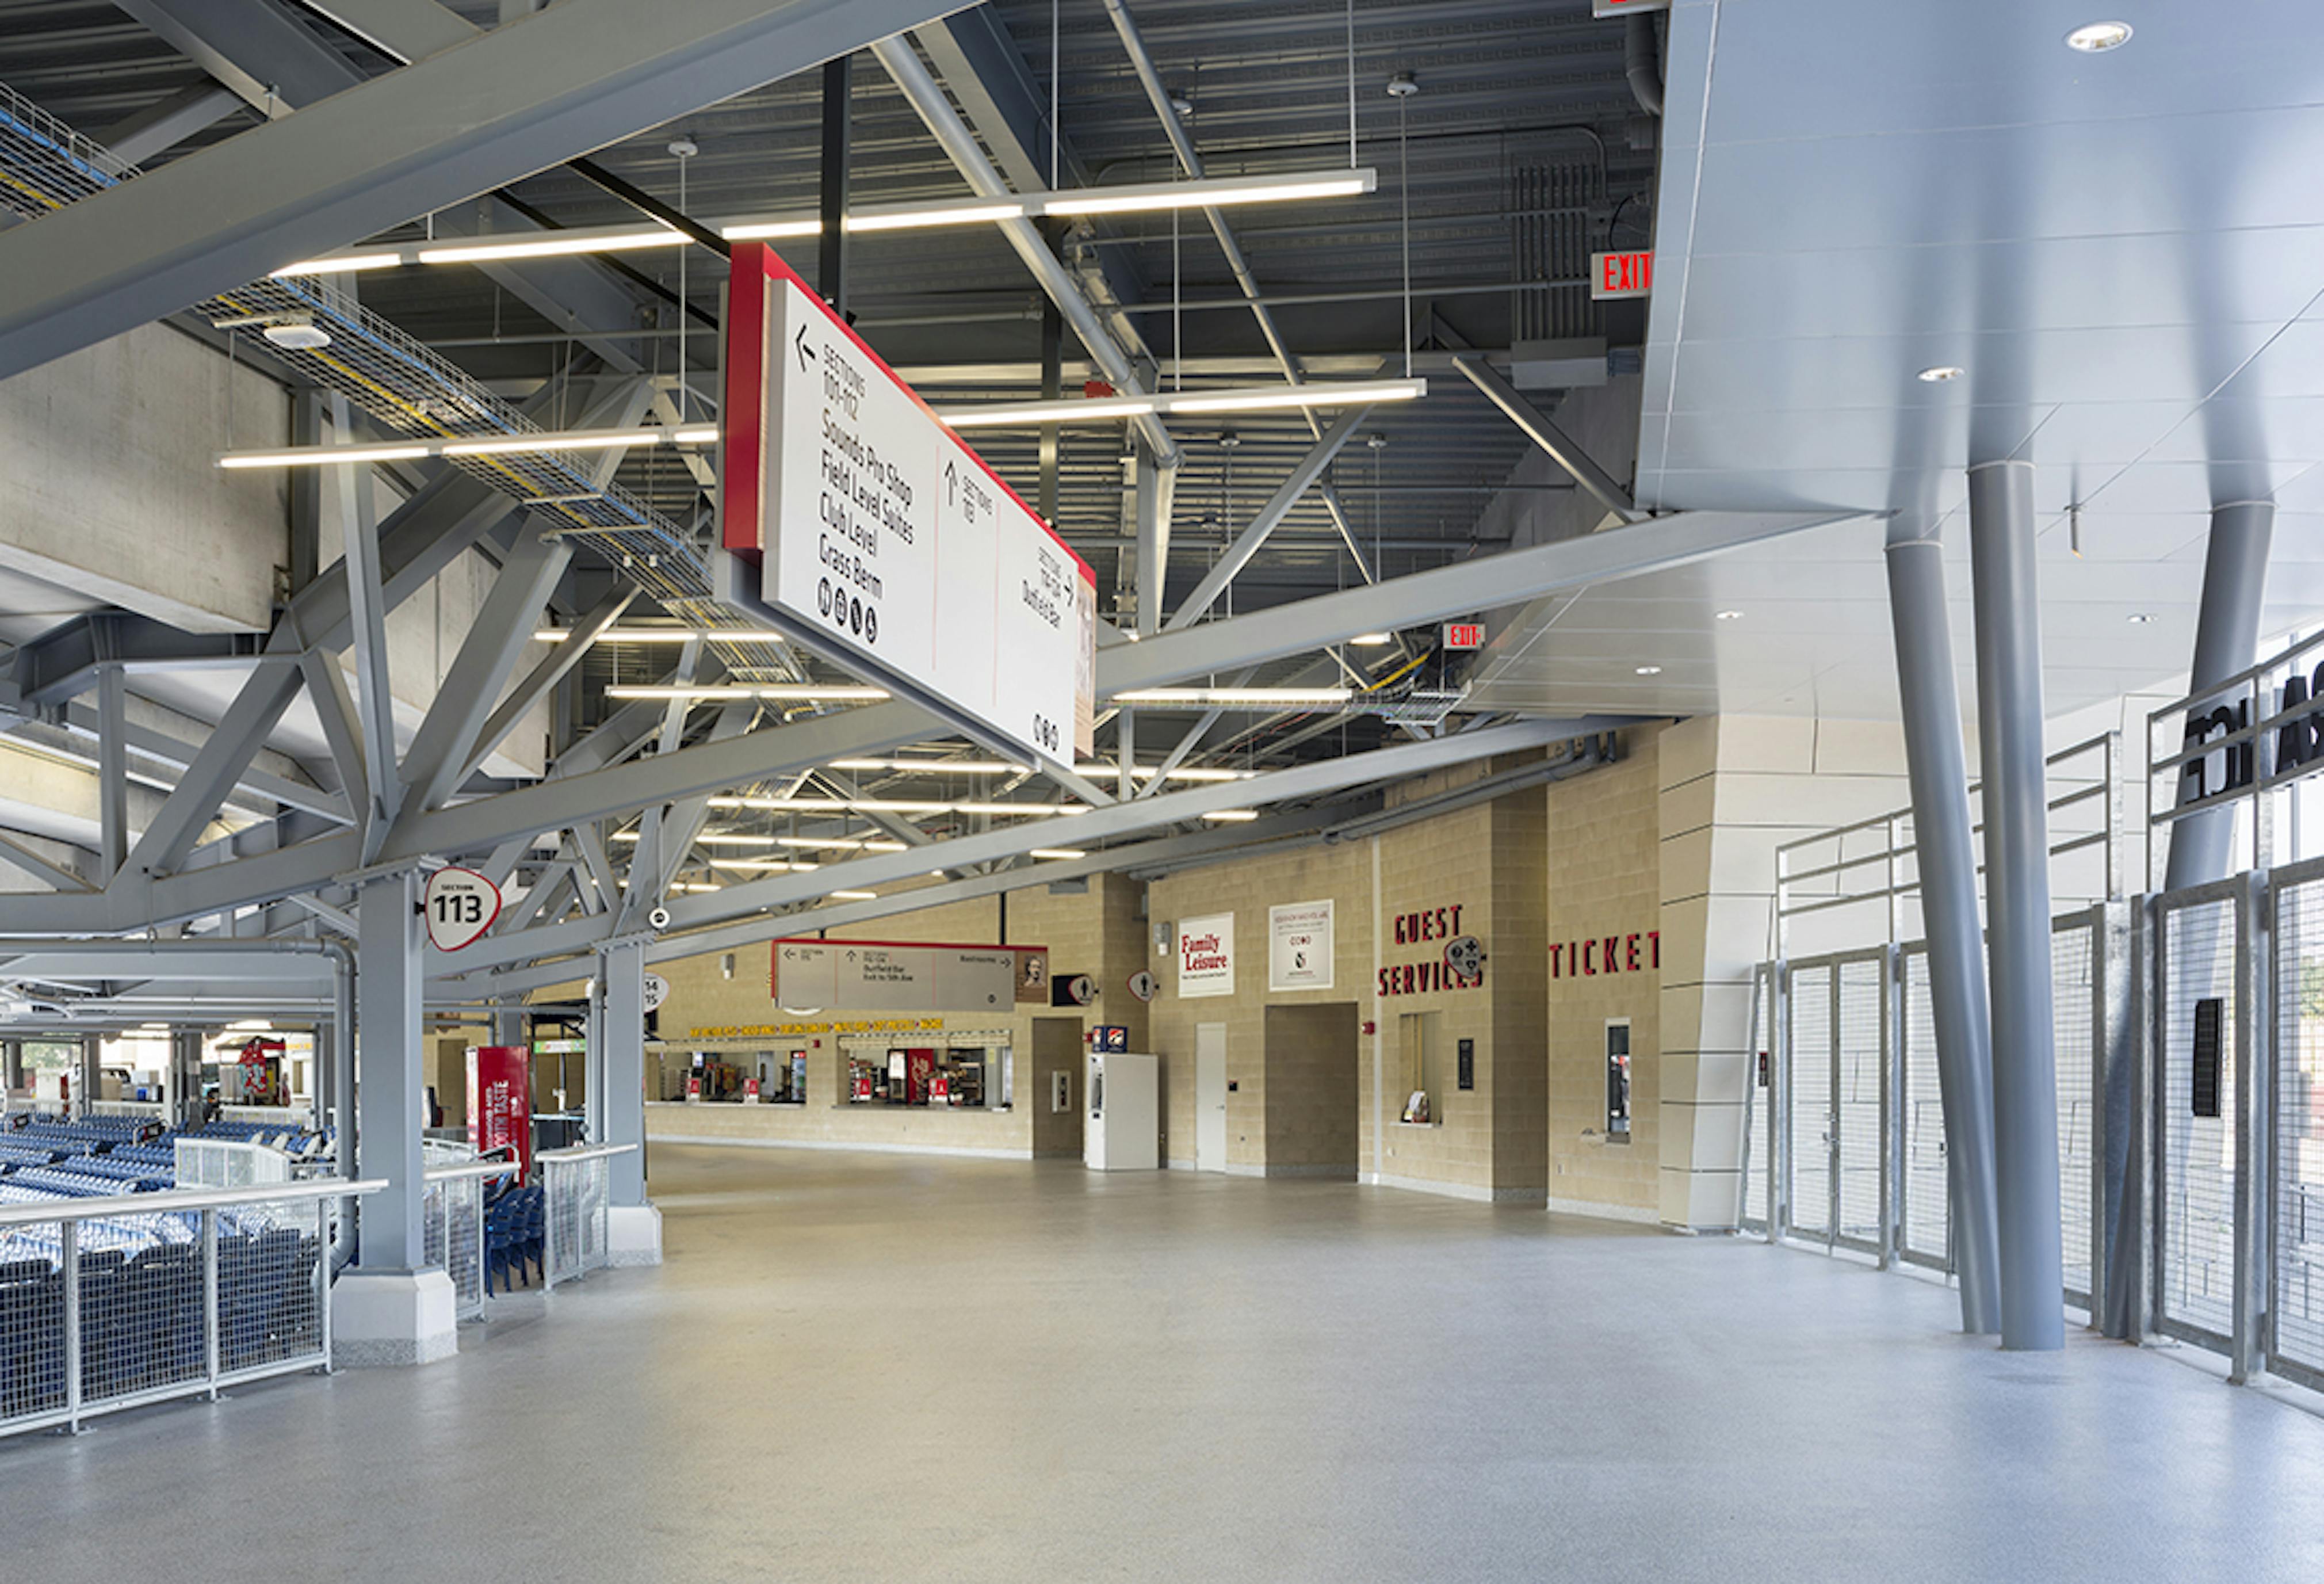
<point>1858,1109</point>
<point>2197,1272</point>
<point>1928,1208</point>
<point>2074,1008</point>
<point>2299,1126</point>
<point>1809,1070</point>
<point>1763,1112</point>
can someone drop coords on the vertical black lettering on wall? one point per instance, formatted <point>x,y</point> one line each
<point>2298,734</point>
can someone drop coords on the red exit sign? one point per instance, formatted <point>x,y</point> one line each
<point>1464,635</point>
<point>1621,274</point>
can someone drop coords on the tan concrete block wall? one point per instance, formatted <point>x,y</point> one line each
<point>1602,879</point>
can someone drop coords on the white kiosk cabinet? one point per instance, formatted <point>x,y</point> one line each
<point>1124,1116</point>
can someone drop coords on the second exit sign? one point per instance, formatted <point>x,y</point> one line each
<point>1621,274</point>
<point>1464,635</point>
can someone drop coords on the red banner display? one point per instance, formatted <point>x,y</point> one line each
<point>500,1101</point>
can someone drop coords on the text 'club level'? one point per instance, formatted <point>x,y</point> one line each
<point>883,541</point>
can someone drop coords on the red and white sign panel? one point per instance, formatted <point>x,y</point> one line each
<point>1464,635</point>
<point>460,905</point>
<point>1621,7</point>
<point>1621,274</point>
<point>882,538</point>
<point>500,1101</point>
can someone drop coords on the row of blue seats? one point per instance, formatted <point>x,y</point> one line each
<point>516,1227</point>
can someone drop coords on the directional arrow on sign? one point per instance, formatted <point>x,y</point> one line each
<point>952,477</point>
<point>805,352</point>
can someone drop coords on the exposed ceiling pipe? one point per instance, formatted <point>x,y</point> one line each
<point>918,87</point>
<point>1587,754</point>
<point>1642,61</point>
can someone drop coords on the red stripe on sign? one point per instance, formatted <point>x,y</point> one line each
<point>744,420</point>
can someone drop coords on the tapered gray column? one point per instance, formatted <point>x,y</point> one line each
<point>1946,849</point>
<point>2017,903</point>
<point>12,1064</point>
<point>86,1081</point>
<point>391,1308</point>
<point>388,1097</point>
<point>623,1105</point>
<point>2227,641</point>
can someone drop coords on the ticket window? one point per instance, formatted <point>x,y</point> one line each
<point>1617,1080</point>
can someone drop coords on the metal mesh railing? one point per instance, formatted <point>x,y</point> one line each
<point>1860,1101</point>
<point>1758,1098</point>
<point>108,1303</point>
<point>2195,1196</point>
<point>1808,1120</point>
<point>1924,1175</point>
<point>576,1184</point>
<point>2073,957</point>
<point>2299,1185</point>
<point>452,1227</point>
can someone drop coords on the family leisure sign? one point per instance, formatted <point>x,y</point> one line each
<point>882,542</point>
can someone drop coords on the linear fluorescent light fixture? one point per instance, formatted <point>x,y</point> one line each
<point>1176,772</point>
<point>854,895</point>
<point>1228,698</point>
<point>665,634</point>
<point>473,445</point>
<point>1059,852</point>
<point>1249,399</point>
<point>893,806</point>
<point>936,766</point>
<point>1143,198</point>
<point>831,693</point>
<point>1016,415</point>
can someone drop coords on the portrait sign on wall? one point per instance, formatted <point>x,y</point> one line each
<point>1299,945</point>
<point>1206,956</point>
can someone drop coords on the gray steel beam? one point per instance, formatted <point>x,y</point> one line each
<point>351,490</point>
<point>161,746</point>
<point>621,1098</point>
<point>537,683</point>
<point>2226,639</point>
<point>255,50</point>
<point>1279,506</point>
<point>1947,850</point>
<point>968,156</point>
<point>2010,717</point>
<point>166,123</point>
<point>111,772</point>
<point>1487,583</point>
<point>573,78</point>
<point>408,29</point>
<point>496,640</point>
<point>62,663</point>
<point>335,708</point>
<point>15,853</point>
<point>1561,446</point>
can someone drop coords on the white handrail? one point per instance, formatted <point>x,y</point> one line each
<point>463,1169</point>
<point>585,1152</point>
<point>148,1204</point>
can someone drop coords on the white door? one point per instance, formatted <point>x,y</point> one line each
<point>1210,1096</point>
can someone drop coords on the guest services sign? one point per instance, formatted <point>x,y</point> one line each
<point>1206,956</point>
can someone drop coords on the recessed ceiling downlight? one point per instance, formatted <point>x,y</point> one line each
<point>1650,670</point>
<point>2096,38</point>
<point>1942,373</point>
<point>2139,618</point>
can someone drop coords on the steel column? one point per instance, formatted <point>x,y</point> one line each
<point>111,772</point>
<point>831,254</point>
<point>85,1083</point>
<point>622,975</point>
<point>2227,638</point>
<point>388,1098</point>
<point>2010,721</point>
<point>1942,835</point>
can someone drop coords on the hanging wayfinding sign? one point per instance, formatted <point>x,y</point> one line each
<point>882,541</point>
<point>460,905</point>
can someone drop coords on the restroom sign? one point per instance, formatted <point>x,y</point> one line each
<point>1621,274</point>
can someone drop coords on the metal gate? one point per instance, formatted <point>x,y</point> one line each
<point>2077,1022</point>
<point>2195,1122</point>
<point>1810,1130</point>
<point>1923,1181</point>
<point>2296,1343</point>
<point>1860,1106</point>
<point>1758,1099</point>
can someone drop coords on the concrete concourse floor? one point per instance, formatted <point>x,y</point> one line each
<point>860,1367</point>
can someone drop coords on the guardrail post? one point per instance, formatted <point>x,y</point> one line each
<point>210,1300</point>
<point>1892,1103</point>
<point>69,1245</point>
<point>1779,1108</point>
<point>2254,1066</point>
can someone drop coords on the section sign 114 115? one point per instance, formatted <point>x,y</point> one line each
<point>882,540</point>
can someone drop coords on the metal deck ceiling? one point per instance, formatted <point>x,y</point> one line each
<point>2124,252</point>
